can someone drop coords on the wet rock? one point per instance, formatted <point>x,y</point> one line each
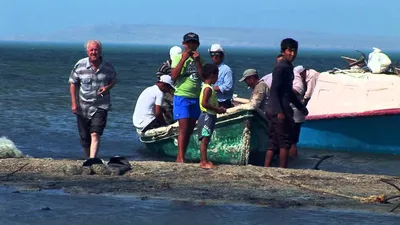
<point>51,184</point>
<point>32,188</point>
<point>261,202</point>
<point>202,203</point>
<point>165,185</point>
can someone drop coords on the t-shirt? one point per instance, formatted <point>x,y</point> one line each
<point>260,95</point>
<point>188,84</point>
<point>212,100</point>
<point>300,87</point>
<point>144,112</point>
<point>281,91</point>
<point>164,69</point>
<point>267,79</point>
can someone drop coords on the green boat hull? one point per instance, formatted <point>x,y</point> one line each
<point>236,136</point>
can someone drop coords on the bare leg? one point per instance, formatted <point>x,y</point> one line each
<point>186,127</point>
<point>94,145</point>
<point>293,150</point>
<point>283,157</point>
<point>203,154</point>
<point>268,157</point>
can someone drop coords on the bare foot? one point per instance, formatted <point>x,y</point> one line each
<point>207,165</point>
<point>180,160</point>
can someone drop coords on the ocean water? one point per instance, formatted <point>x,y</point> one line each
<point>35,114</point>
<point>51,207</point>
<point>35,101</point>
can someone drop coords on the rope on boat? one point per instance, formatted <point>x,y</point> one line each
<point>370,199</point>
<point>162,132</point>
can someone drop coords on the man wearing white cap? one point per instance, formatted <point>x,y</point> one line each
<point>303,85</point>
<point>224,84</point>
<point>148,113</point>
<point>310,77</point>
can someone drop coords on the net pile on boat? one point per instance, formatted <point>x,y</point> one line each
<point>166,130</point>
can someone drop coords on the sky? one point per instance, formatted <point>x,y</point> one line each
<point>342,17</point>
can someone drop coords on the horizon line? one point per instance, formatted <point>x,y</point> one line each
<point>315,48</point>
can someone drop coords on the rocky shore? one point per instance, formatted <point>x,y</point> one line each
<point>272,187</point>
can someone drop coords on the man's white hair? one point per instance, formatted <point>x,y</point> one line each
<point>93,41</point>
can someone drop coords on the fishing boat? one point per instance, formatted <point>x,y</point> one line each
<point>239,132</point>
<point>354,111</point>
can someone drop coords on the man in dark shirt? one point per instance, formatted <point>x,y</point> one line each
<point>279,111</point>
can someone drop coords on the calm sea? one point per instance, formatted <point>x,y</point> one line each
<point>35,110</point>
<point>35,102</point>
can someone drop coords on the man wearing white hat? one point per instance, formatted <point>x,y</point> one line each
<point>303,85</point>
<point>310,77</point>
<point>224,84</point>
<point>148,113</point>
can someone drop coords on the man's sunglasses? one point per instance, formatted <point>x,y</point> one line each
<point>216,53</point>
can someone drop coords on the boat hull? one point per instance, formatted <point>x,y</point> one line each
<point>368,132</point>
<point>235,136</point>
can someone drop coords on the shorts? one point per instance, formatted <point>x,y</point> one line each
<point>153,124</point>
<point>206,125</point>
<point>94,125</point>
<point>226,104</point>
<point>279,132</point>
<point>186,108</point>
<point>296,133</point>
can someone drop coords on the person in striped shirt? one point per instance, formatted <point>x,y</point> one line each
<point>165,68</point>
<point>91,80</point>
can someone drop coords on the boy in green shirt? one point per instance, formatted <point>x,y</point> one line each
<point>187,74</point>
<point>209,108</point>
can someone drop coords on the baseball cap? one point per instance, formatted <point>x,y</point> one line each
<point>176,50</point>
<point>216,48</point>
<point>248,73</point>
<point>298,69</point>
<point>191,37</point>
<point>167,79</point>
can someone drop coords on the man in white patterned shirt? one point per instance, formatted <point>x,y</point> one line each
<point>91,80</point>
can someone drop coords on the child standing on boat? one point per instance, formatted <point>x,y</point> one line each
<point>209,108</point>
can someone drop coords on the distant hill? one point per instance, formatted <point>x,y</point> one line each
<point>171,35</point>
